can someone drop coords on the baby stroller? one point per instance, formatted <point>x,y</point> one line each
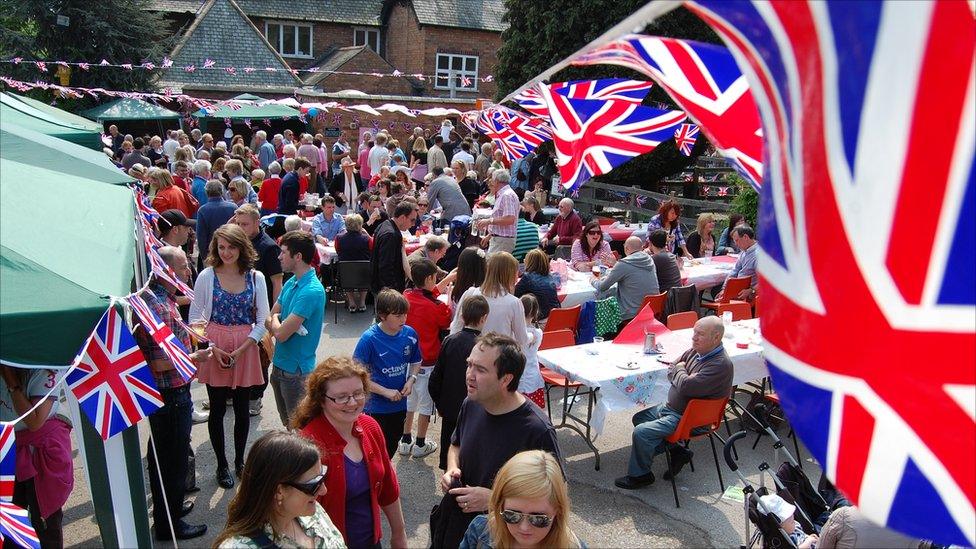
<point>459,237</point>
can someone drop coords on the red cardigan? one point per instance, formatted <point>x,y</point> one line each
<point>382,477</point>
<point>427,316</point>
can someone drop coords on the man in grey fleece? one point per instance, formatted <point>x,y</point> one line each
<point>704,371</point>
<point>445,191</point>
<point>634,276</point>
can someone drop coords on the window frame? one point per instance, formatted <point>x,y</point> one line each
<point>367,31</point>
<point>464,58</point>
<point>279,47</point>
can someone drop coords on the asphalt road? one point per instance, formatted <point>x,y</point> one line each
<point>602,515</point>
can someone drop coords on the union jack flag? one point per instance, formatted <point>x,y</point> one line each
<point>706,82</point>
<point>164,337</point>
<point>685,137</point>
<point>871,120</point>
<point>112,382</point>
<point>621,89</point>
<point>8,462</point>
<point>592,136</point>
<point>515,133</point>
<point>15,524</point>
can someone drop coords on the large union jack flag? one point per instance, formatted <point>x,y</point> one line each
<point>515,133</point>
<point>706,82</point>
<point>15,525</point>
<point>164,337</point>
<point>592,136</point>
<point>112,382</point>
<point>868,262</point>
<point>8,462</point>
<point>620,89</point>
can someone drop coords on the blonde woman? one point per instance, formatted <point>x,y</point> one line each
<point>505,313</point>
<point>237,190</point>
<point>702,243</point>
<point>231,299</point>
<point>529,507</point>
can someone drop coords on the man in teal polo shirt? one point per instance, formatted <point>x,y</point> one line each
<point>302,305</point>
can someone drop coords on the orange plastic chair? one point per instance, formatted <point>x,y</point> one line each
<point>680,321</point>
<point>563,319</point>
<point>732,288</point>
<point>755,307</point>
<point>700,413</point>
<point>557,338</point>
<point>740,310</point>
<point>554,340</point>
<point>656,301</point>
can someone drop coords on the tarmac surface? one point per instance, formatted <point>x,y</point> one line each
<point>602,514</point>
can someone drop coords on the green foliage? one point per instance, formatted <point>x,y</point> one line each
<point>541,34</point>
<point>119,31</point>
<point>746,200</point>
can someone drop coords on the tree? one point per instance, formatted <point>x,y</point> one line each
<point>119,31</point>
<point>541,34</point>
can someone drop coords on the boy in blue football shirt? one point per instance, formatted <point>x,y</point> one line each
<point>390,351</point>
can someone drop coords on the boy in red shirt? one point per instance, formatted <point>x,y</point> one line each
<point>428,317</point>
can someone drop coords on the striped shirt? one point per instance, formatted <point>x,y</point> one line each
<point>506,205</point>
<point>526,239</point>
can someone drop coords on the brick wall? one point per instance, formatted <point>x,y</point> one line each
<point>366,61</point>
<point>324,36</point>
<point>405,40</point>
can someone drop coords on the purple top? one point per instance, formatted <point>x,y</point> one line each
<point>359,513</point>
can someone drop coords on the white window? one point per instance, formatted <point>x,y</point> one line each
<point>366,36</point>
<point>457,71</point>
<point>290,39</point>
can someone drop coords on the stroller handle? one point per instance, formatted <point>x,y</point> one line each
<point>727,451</point>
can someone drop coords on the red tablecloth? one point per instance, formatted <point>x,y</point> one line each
<point>633,332</point>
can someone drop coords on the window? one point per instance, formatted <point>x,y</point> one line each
<point>463,69</point>
<point>291,40</point>
<point>364,36</point>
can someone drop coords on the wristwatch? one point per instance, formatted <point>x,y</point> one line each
<point>413,378</point>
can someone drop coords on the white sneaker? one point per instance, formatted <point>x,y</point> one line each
<point>255,408</point>
<point>200,417</point>
<point>427,449</point>
<point>403,448</point>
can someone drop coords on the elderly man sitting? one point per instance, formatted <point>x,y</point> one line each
<point>704,371</point>
<point>566,227</point>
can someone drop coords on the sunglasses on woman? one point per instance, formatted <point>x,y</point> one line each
<point>595,233</point>
<point>312,486</point>
<point>515,517</point>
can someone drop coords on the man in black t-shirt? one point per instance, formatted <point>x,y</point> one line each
<point>248,217</point>
<point>495,423</point>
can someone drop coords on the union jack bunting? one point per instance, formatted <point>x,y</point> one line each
<point>593,136</point>
<point>15,524</point>
<point>8,462</point>
<point>871,119</point>
<point>112,382</point>
<point>706,82</point>
<point>621,89</point>
<point>685,137</point>
<point>164,337</point>
<point>465,82</point>
<point>164,271</point>
<point>515,133</point>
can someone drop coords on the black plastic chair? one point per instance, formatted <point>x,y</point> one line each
<point>352,275</point>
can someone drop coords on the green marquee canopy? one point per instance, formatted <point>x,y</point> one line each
<point>16,111</point>
<point>249,109</point>
<point>128,109</point>
<point>57,113</point>
<point>27,146</point>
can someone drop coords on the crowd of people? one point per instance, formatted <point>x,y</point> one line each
<point>459,339</point>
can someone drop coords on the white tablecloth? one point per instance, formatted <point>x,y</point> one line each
<point>705,275</point>
<point>601,365</point>
<point>577,289</point>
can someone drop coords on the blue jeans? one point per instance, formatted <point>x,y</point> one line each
<point>289,389</point>
<point>170,429</point>
<point>651,427</point>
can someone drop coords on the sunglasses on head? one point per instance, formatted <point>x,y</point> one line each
<point>312,486</point>
<point>515,517</point>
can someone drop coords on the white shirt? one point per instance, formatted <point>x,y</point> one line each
<point>464,157</point>
<point>506,316</point>
<point>531,380</point>
<point>378,157</point>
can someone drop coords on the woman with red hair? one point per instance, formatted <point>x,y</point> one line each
<point>667,220</point>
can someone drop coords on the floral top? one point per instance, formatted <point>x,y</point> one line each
<point>318,527</point>
<point>233,309</point>
<point>679,237</point>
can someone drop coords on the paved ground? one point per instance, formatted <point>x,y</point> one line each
<point>603,515</point>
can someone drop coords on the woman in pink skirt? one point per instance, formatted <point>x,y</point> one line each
<point>232,299</point>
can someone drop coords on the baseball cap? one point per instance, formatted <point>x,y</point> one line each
<point>777,506</point>
<point>175,218</point>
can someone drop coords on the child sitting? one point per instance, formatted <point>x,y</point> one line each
<point>428,317</point>
<point>390,352</point>
<point>531,384</point>
<point>783,511</point>
<point>447,386</point>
